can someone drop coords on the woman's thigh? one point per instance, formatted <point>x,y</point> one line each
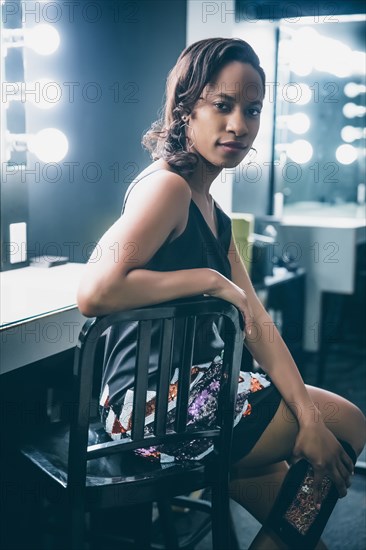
<point>342,417</point>
<point>276,443</point>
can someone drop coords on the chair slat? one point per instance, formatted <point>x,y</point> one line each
<point>141,379</point>
<point>165,364</point>
<point>185,374</point>
<point>127,444</point>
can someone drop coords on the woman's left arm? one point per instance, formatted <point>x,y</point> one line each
<point>314,441</point>
<point>268,348</point>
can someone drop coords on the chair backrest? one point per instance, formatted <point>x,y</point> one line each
<point>168,312</point>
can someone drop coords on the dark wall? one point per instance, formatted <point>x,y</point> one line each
<point>254,10</point>
<point>127,53</point>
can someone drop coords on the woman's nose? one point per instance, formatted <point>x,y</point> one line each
<point>237,124</point>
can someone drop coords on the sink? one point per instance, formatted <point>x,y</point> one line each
<point>322,209</point>
<point>324,239</point>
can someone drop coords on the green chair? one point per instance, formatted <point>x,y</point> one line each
<point>243,228</point>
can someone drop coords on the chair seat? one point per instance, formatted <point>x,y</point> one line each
<point>127,474</point>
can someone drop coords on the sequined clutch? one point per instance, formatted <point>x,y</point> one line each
<point>294,516</point>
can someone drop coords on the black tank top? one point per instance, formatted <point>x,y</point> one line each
<point>196,247</point>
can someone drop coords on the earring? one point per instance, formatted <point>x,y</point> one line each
<point>252,155</point>
<point>185,118</point>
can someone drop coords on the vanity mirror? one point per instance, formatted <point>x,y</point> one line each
<point>320,133</point>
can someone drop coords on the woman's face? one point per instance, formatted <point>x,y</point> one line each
<point>228,111</point>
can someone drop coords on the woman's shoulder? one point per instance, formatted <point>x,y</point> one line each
<point>161,192</point>
<point>160,168</point>
<point>162,181</point>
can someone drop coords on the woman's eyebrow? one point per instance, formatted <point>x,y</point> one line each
<point>225,96</point>
<point>233,98</point>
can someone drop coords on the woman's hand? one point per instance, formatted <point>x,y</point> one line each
<point>320,447</point>
<point>229,291</point>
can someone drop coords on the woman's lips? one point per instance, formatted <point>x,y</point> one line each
<point>232,148</point>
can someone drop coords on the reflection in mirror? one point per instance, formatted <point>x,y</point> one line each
<point>320,120</point>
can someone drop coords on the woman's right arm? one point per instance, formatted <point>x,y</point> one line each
<point>114,277</point>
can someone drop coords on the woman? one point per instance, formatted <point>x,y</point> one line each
<point>174,241</point>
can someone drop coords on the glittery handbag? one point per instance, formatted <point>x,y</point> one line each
<point>294,517</point>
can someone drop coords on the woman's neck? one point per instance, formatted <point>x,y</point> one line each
<point>201,179</point>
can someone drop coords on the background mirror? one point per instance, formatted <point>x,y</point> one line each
<point>320,118</point>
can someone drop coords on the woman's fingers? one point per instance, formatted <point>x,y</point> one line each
<point>248,315</point>
<point>347,461</point>
<point>341,485</point>
<point>343,469</point>
<point>344,473</point>
<point>339,476</point>
<point>317,485</point>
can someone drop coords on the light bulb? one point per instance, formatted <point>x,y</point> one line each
<point>299,123</point>
<point>300,151</point>
<point>346,154</point>
<point>351,110</point>
<point>350,133</point>
<point>43,39</point>
<point>50,145</point>
<point>352,89</point>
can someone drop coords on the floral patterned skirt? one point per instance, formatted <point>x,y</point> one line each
<point>202,408</point>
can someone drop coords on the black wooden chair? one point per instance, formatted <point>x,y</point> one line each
<point>82,471</point>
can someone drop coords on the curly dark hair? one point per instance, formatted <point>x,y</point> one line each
<point>196,66</point>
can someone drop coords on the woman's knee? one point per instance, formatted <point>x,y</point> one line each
<point>342,417</point>
<point>276,442</point>
<point>359,426</point>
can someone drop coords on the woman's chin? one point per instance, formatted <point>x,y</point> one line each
<point>231,163</point>
<point>221,163</point>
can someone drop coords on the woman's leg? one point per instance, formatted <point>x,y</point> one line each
<point>257,478</point>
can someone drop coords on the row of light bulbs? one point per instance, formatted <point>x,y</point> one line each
<point>299,123</point>
<point>306,49</point>
<point>331,56</point>
<point>49,144</point>
<point>301,151</point>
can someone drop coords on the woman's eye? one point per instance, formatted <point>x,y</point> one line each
<point>222,107</point>
<point>254,112</point>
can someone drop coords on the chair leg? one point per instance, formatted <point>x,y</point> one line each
<point>77,528</point>
<point>167,524</point>
<point>143,528</point>
<point>220,516</point>
<point>233,540</point>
